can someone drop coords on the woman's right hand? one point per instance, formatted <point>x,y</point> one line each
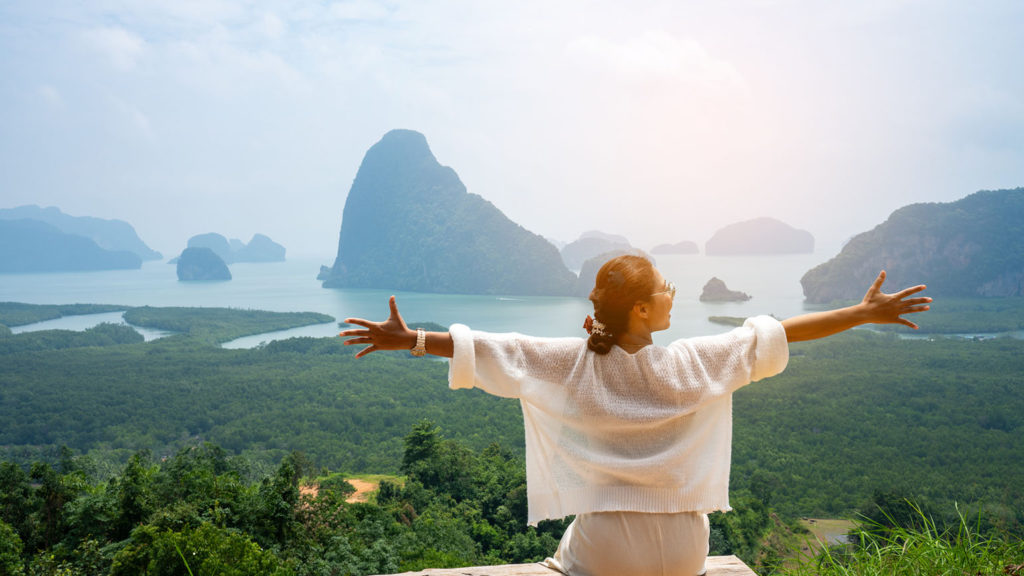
<point>391,334</point>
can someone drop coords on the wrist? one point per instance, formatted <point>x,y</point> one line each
<point>860,314</point>
<point>420,347</point>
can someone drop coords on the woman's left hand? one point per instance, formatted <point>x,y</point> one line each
<point>391,334</point>
<point>882,308</point>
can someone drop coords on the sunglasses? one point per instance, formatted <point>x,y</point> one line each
<point>670,289</point>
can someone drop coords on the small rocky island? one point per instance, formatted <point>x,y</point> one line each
<point>716,291</point>
<point>259,249</point>
<point>591,244</point>
<point>201,265</point>
<point>684,247</point>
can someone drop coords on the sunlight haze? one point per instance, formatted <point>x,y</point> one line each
<point>658,120</point>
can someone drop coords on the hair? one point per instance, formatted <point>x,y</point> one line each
<point>621,282</point>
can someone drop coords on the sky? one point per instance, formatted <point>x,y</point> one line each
<point>660,120</point>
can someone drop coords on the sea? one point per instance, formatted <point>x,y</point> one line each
<point>291,286</point>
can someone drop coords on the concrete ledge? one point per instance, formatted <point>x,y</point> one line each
<point>717,566</point>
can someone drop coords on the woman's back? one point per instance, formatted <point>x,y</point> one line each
<point>646,432</point>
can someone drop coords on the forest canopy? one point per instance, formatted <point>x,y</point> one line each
<point>941,414</point>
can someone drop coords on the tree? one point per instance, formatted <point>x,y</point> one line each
<point>273,515</point>
<point>134,495</point>
<point>10,551</point>
<point>207,549</point>
<point>421,445</point>
<point>15,494</point>
<point>48,501</point>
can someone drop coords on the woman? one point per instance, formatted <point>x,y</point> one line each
<point>632,438</point>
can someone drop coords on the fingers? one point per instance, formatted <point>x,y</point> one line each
<point>394,307</point>
<point>365,351</point>
<point>876,286</point>
<point>917,301</point>
<point>906,322</point>
<point>348,333</point>
<point>912,290</point>
<point>359,322</point>
<point>880,279</point>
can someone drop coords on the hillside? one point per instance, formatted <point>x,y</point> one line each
<point>968,248</point>
<point>410,224</point>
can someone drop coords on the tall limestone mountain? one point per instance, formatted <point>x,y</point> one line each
<point>968,248</point>
<point>113,235</point>
<point>410,224</point>
<point>759,236</point>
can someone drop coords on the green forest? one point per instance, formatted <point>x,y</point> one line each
<point>118,452</point>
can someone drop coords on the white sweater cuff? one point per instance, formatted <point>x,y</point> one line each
<point>771,348</point>
<point>462,367</point>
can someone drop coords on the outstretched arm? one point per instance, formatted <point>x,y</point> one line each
<point>393,334</point>
<point>877,307</point>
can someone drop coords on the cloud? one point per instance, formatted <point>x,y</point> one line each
<point>123,49</point>
<point>658,55</point>
<point>359,10</point>
<point>272,26</point>
<point>51,96</point>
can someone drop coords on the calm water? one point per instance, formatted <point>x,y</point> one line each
<point>774,283</point>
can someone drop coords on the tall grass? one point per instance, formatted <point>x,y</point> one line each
<point>918,550</point>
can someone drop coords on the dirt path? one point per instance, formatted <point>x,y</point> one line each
<point>362,493</point>
<point>363,489</point>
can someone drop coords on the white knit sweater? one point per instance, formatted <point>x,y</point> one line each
<point>644,432</point>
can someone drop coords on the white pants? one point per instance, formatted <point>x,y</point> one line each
<point>633,543</point>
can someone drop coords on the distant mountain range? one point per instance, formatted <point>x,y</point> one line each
<point>110,235</point>
<point>410,224</point>
<point>968,248</point>
<point>28,246</point>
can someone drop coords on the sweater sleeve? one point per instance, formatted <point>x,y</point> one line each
<point>501,363</point>
<point>729,361</point>
<point>771,348</point>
